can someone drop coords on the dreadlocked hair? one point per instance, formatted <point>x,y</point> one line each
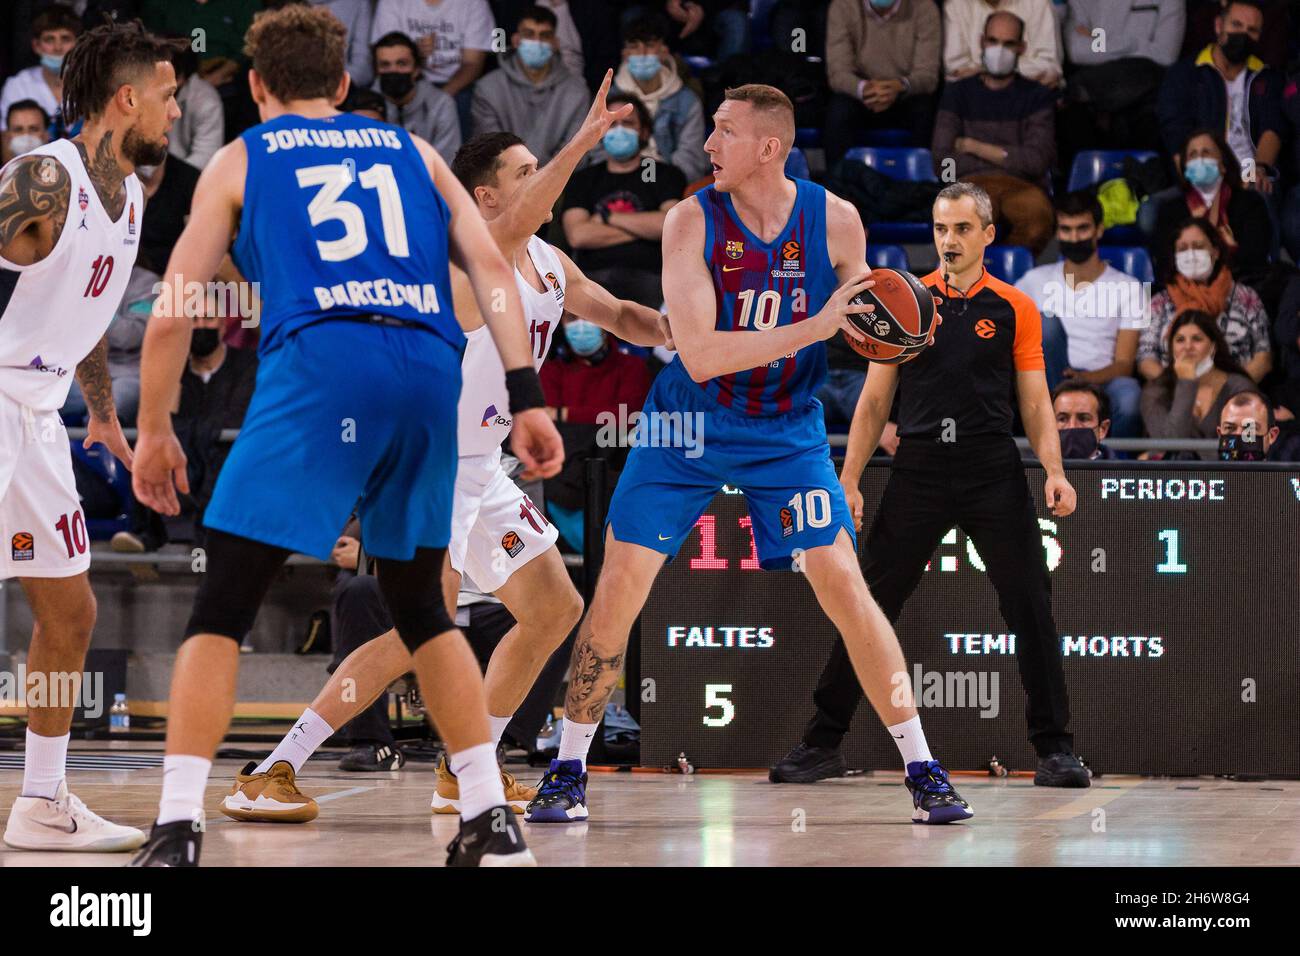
<point>104,59</point>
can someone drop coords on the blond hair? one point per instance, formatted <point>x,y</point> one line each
<point>774,105</point>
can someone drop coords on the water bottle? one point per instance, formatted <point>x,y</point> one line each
<point>119,716</point>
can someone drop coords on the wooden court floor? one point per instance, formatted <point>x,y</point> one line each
<point>737,820</point>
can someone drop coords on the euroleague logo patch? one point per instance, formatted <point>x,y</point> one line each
<point>787,523</point>
<point>22,547</point>
<point>790,255</point>
<point>985,328</point>
<point>511,543</point>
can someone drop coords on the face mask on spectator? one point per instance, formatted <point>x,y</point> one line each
<point>535,54</point>
<point>585,338</point>
<point>1203,172</point>
<point>1238,448</point>
<point>24,143</point>
<point>621,142</point>
<point>1194,264</point>
<point>396,85</point>
<point>1238,48</point>
<point>51,62</point>
<point>999,60</point>
<point>204,342</point>
<point>1078,442</point>
<point>1205,364</point>
<point>882,4</point>
<point>1079,251</point>
<point>644,66</point>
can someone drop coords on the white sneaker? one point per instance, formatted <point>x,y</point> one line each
<point>65,823</point>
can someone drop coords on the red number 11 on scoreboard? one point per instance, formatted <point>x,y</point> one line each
<point>709,560</point>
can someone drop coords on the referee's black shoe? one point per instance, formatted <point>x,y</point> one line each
<point>806,764</point>
<point>1062,770</point>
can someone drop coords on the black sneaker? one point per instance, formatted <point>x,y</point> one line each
<point>1062,770</point>
<point>171,844</point>
<point>365,758</point>
<point>807,764</point>
<point>492,838</point>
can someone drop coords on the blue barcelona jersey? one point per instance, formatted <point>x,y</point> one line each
<point>764,285</point>
<point>341,219</point>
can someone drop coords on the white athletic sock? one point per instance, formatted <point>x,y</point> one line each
<point>575,740</point>
<point>911,741</point>
<point>310,731</point>
<point>498,726</point>
<point>479,778</point>
<point>44,762</point>
<point>184,780</point>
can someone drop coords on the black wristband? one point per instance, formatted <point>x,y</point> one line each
<point>525,390</point>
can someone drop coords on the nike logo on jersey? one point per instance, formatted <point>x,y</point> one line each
<point>731,268</point>
<point>664,537</point>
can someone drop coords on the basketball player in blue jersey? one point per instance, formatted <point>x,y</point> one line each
<point>347,223</point>
<point>759,270</point>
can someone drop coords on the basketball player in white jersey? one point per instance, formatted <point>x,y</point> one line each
<point>498,536</point>
<point>70,217</point>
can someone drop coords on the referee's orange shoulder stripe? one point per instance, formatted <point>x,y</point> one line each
<point>1027,351</point>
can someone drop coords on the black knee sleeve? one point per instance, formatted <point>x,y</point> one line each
<point>237,574</point>
<point>413,592</point>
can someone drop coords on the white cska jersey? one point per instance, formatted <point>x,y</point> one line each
<point>54,312</point>
<point>484,405</point>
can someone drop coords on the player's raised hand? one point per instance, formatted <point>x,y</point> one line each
<point>536,444</point>
<point>599,117</point>
<point>834,315</point>
<point>159,471</point>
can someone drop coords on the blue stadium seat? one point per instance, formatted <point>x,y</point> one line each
<point>887,257</point>
<point>885,137</point>
<point>1133,260</point>
<point>760,18</point>
<point>796,164</point>
<point>101,462</point>
<point>1008,263</point>
<point>698,64</point>
<point>906,164</point>
<point>809,137</point>
<point>1093,166</point>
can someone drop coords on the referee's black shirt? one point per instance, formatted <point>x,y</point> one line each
<point>964,384</point>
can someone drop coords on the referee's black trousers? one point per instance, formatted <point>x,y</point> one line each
<point>981,487</point>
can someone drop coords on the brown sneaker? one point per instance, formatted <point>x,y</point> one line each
<point>446,796</point>
<point>271,797</point>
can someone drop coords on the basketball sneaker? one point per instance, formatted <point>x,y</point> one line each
<point>270,797</point>
<point>933,798</point>
<point>492,838</point>
<point>372,758</point>
<point>561,796</point>
<point>1062,770</point>
<point>171,844</point>
<point>806,764</point>
<point>446,796</point>
<point>65,823</point>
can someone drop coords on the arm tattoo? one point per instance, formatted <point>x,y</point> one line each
<point>32,190</point>
<point>105,174</point>
<point>593,681</point>
<point>96,386</point>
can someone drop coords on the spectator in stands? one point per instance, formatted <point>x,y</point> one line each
<point>1200,279</point>
<point>1227,87</point>
<point>1248,431</point>
<point>1092,313</point>
<point>1275,40</point>
<point>26,128</point>
<point>355,15</point>
<point>168,191</point>
<point>411,101</point>
<point>453,39</point>
<point>649,71</point>
<point>1211,188</point>
<point>532,94</point>
<point>223,25</point>
<point>1186,399</point>
<point>201,129</point>
<point>717,29</point>
<point>586,30</point>
<point>997,130</point>
<point>54,32</point>
<point>882,62</point>
<point>1119,53</point>
<point>613,216</point>
<point>1082,420</point>
<point>965,27</point>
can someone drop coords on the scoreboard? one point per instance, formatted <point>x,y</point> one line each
<point>1175,587</point>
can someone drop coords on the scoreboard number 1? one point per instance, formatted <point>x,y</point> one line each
<point>713,698</point>
<point>1171,564</point>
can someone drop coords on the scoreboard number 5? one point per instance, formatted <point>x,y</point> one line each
<point>713,698</point>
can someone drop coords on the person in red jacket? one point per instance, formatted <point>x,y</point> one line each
<point>588,375</point>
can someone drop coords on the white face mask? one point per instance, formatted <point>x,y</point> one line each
<point>1205,365</point>
<point>999,61</point>
<point>24,143</point>
<point>1194,264</point>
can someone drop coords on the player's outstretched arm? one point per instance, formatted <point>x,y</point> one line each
<point>688,288</point>
<point>630,321</point>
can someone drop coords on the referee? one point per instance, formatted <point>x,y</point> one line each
<point>957,464</point>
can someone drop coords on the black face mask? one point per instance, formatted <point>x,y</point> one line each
<point>1237,48</point>
<point>1237,448</point>
<point>1080,251</point>
<point>396,85</point>
<point>203,342</point>
<point>1078,442</point>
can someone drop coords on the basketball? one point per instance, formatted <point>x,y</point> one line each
<point>899,329</point>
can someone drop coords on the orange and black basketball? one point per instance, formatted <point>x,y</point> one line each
<point>899,329</point>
